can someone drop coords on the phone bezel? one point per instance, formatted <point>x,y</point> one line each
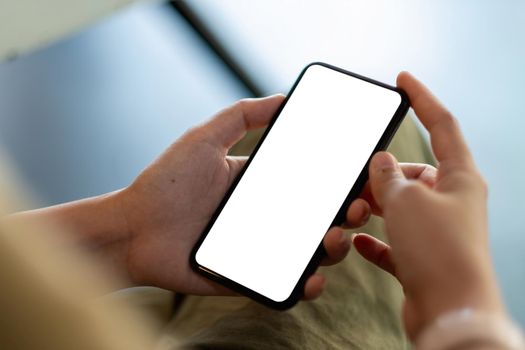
<point>339,218</point>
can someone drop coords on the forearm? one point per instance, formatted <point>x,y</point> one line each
<point>95,224</point>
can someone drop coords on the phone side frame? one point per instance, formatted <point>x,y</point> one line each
<point>339,218</point>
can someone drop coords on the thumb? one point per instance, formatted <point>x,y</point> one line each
<point>385,177</point>
<point>231,124</point>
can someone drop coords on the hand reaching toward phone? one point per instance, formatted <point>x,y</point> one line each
<point>436,221</point>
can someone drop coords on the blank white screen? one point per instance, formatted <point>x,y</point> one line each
<point>280,210</point>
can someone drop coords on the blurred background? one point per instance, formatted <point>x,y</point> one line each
<point>84,115</point>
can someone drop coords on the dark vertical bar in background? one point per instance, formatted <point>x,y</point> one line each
<point>207,35</point>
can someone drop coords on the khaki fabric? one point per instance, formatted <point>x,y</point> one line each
<point>359,309</point>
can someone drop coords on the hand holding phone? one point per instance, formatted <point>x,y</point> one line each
<point>170,203</point>
<point>264,239</point>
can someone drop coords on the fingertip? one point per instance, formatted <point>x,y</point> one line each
<point>353,237</point>
<point>278,98</point>
<point>353,241</point>
<point>382,160</point>
<point>365,244</point>
<point>375,251</point>
<point>332,238</point>
<point>402,77</point>
<point>358,213</point>
<point>344,246</point>
<point>357,240</point>
<point>314,287</point>
<point>337,245</point>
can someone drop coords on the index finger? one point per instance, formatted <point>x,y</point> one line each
<point>446,138</point>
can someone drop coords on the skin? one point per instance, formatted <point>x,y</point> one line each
<point>435,219</point>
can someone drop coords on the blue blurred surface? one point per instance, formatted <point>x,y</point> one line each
<point>84,116</point>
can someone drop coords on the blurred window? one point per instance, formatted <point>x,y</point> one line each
<point>84,116</point>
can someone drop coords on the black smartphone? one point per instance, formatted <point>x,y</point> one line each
<point>265,238</point>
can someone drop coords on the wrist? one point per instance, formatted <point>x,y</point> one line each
<point>118,235</point>
<point>479,293</point>
<point>96,225</point>
<point>98,221</point>
<point>101,226</point>
<point>472,329</point>
<point>127,220</point>
<point>117,224</point>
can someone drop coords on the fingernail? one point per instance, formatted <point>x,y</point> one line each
<point>382,161</point>
<point>354,236</point>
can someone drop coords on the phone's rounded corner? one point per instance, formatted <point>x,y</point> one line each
<point>313,64</point>
<point>298,292</point>
<point>405,101</point>
<point>193,261</point>
<point>286,304</point>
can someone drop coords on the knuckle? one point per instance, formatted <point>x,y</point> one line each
<point>430,168</point>
<point>386,174</point>
<point>235,107</point>
<point>448,116</point>
<point>239,108</point>
<point>483,185</point>
<point>449,120</point>
<point>192,132</point>
<point>240,105</point>
<point>429,173</point>
<point>408,192</point>
<point>196,133</point>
